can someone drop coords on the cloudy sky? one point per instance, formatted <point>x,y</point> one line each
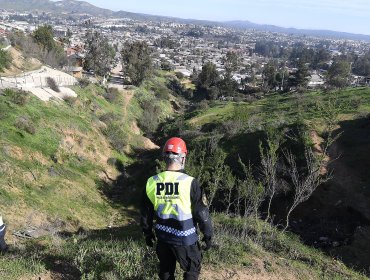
<point>339,15</point>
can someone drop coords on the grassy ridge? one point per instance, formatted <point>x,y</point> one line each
<point>286,107</point>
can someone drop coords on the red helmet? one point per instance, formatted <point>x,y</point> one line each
<point>175,145</point>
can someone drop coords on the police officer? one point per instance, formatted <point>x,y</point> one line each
<point>3,246</point>
<point>178,205</point>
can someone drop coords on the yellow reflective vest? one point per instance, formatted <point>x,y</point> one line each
<point>170,194</point>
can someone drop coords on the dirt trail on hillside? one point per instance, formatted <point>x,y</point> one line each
<point>147,143</point>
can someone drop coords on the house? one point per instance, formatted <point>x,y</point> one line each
<point>74,71</point>
<point>315,81</point>
<point>183,71</point>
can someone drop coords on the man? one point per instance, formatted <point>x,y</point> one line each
<point>178,204</point>
<point>3,246</point>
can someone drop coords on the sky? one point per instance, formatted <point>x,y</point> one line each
<point>338,15</point>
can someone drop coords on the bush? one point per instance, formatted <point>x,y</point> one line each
<point>113,95</point>
<point>52,84</point>
<point>161,91</point>
<point>26,124</point>
<point>70,100</point>
<point>232,127</point>
<point>110,117</point>
<point>202,105</point>
<point>116,136</point>
<point>5,60</point>
<point>19,97</point>
<point>149,121</point>
<point>84,82</point>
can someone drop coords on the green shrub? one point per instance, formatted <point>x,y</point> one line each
<point>116,136</point>
<point>84,82</point>
<point>26,124</point>
<point>230,128</point>
<point>5,60</point>
<point>70,100</point>
<point>202,105</point>
<point>19,97</point>
<point>113,95</point>
<point>110,117</point>
<point>149,120</point>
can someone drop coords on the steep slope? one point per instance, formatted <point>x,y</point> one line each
<point>20,64</point>
<point>56,158</point>
<point>336,218</point>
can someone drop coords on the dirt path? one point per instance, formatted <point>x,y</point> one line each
<point>147,143</point>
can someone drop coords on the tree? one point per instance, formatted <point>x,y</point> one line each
<point>44,36</point>
<point>269,75</point>
<point>137,61</point>
<point>301,77</point>
<point>228,86</point>
<point>269,164</point>
<point>231,62</point>
<point>305,184</point>
<point>361,65</point>
<point>322,56</point>
<point>339,74</point>
<point>5,60</point>
<point>208,77</point>
<point>100,55</point>
<point>208,80</point>
<point>250,191</point>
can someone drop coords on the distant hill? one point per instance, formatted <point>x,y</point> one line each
<point>64,6</point>
<point>309,32</point>
<point>83,7</point>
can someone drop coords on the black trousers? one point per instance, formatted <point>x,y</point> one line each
<point>189,258</point>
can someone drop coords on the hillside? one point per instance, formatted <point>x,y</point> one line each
<point>73,171</point>
<point>20,64</point>
<point>336,218</point>
<point>65,6</point>
<point>59,158</point>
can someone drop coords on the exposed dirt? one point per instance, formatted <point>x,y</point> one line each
<point>337,217</point>
<point>20,63</point>
<point>147,143</point>
<point>318,149</point>
<point>77,143</point>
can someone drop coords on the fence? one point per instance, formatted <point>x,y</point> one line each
<point>35,81</point>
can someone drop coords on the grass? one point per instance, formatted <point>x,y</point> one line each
<point>55,170</point>
<point>287,107</point>
<point>120,253</point>
<point>56,174</point>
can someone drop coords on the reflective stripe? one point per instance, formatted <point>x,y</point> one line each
<point>177,213</point>
<point>175,231</point>
<point>2,228</point>
<point>163,203</point>
<point>183,177</point>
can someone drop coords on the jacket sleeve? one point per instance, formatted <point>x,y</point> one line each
<point>147,214</point>
<point>200,210</point>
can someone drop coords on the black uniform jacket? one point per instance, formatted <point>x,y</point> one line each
<point>200,211</point>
